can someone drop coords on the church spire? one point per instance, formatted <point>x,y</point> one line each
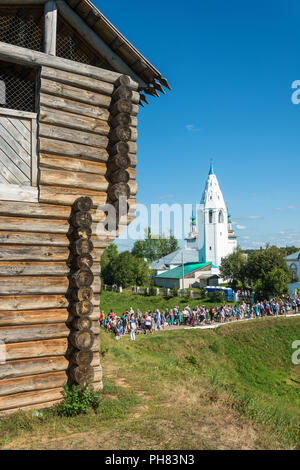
<point>211,168</point>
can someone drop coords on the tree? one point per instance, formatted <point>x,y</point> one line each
<point>274,283</point>
<point>154,247</point>
<point>126,269</point>
<point>261,262</point>
<point>233,268</point>
<point>109,254</point>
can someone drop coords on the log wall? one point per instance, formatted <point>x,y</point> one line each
<point>86,147</point>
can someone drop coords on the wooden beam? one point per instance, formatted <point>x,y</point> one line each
<point>21,55</point>
<point>50,16</point>
<point>22,2</point>
<point>96,42</point>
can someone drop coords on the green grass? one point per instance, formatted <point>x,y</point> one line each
<point>119,303</point>
<point>229,388</point>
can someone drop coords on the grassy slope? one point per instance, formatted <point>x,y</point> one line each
<point>228,388</point>
<point>121,302</point>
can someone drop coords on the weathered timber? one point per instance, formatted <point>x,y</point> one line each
<point>81,218</point>
<point>32,382</point>
<point>124,106</point>
<point>82,323</point>
<point>42,268</point>
<point>84,307</point>
<point>72,149</point>
<point>50,14</point>
<point>13,285</point>
<point>77,95</point>
<point>123,92</point>
<point>83,204</point>
<point>82,374</point>
<point>21,368</point>
<point>133,187</point>
<point>67,196</point>
<point>21,55</point>
<point>82,278</point>
<point>73,121</point>
<point>82,247</point>
<point>120,133</point>
<point>69,135</point>
<point>123,119</point>
<point>42,253</point>
<point>72,164</point>
<point>115,191</point>
<point>118,161</point>
<point>76,80</point>
<point>82,339</point>
<point>36,317</point>
<point>29,399</point>
<point>83,357</point>
<point>42,301</point>
<point>83,261</point>
<point>119,176</point>
<point>83,294</point>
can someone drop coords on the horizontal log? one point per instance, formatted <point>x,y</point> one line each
<point>132,173</point>
<point>42,365</point>
<point>82,323</point>
<point>42,348</point>
<point>120,133</point>
<point>73,121</point>
<point>82,339</point>
<point>68,163</point>
<point>41,406</point>
<point>42,239</point>
<point>30,400</point>
<point>74,150</point>
<point>74,179</point>
<point>41,317</point>
<point>118,161</point>
<point>85,358</point>
<point>62,104</point>
<point>36,302</point>
<point>76,80</point>
<point>82,278</point>
<point>67,196</point>
<point>74,93</point>
<point>23,333</point>
<point>37,268</point>
<point>81,218</point>
<point>20,55</point>
<point>22,252</point>
<point>18,285</point>
<point>82,374</point>
<point>72,135</point>
<point>32,383</point>
<point>84,307</point>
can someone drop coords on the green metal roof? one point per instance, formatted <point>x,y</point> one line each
<point>176,273</point>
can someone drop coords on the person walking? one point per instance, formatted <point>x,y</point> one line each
<point>132,326</point>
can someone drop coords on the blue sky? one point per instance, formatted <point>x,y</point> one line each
<point>231,65</point>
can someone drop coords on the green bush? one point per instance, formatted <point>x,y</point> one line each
<point>152,290</point>
<point>217,296</point>
<point>174,290</point>
<point>78,400</point>
<point>202,292</point>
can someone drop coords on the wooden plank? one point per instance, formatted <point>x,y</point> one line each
<point>42,239</point>
<point>68,163</point>
<point>22,252</point>
<point>75,150</point>
<point>17,113</point>
<point>50,27</point>
<point>73,121</point>
<point>74,98</point>
<point>31,383</point>
<point>75,80</point>
<point>23,333</point>
<point>39,268</point>
<point>20,134</point>
<point>38,253</point>
<point>32,317</point>
<point>48,211</point>
<point>70,135</point>
<point>41,301</point>
<point>39,225</point>
<point>18,285</point>
<point>33,349</point>
<point>73,179</point>
<point>13,192</point>
<point>19,143</point>
<point>8,170</point>
<point>41,406</point>
<point>38,365</point>
<point>30,399</point>
<point>67,196</point>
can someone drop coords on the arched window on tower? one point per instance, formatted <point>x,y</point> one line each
<point>210,216</point>
<point>221,217</point>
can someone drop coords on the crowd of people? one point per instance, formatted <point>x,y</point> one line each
<point>131,322</point>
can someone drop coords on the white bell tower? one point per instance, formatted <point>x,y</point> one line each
<point>213,223</point>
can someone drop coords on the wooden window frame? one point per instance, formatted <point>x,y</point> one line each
<point>15,192</point>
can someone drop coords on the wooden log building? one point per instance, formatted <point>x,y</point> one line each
<point>70,90</point>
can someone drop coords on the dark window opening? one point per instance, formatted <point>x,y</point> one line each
<point>17,87</point>
<point>22,26</point>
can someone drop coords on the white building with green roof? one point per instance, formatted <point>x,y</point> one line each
<point>211,238</point>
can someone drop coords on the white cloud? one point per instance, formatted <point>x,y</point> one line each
<point>192,128</point>
<point>254,217</point>
<point>241,227</point>
<point>284,208</point>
